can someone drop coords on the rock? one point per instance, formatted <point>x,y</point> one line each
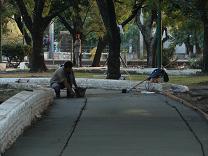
<point>179,89</point>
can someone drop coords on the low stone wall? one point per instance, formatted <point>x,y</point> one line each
<point>28,83</point>
<point>19,111</point>
<point>96,83</point>
<point>142,71</point>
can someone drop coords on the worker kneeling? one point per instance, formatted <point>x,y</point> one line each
<point>62,78</point>
<point>158,75</point>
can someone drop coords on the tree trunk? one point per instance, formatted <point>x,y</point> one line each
<point>205,50</point>
<point>37,61</point>
<point>149,54</point>
<point>187,49</point>
<point>198,49</point>
<point>191,50</point>
<point>23,30</point>
<point>154,54</point>
<point>149,37</point>
<point>114,56</point>
<point>102,42</point>
<point>107,11</point>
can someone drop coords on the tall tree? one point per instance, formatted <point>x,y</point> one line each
<point>37,15</point>
<point>74,20</point>
<point>107,11</point>
<point>147,29</point>
<point>196,9</point>
<point>202,8</point>
<point>123,20</point>
<point>183,30</point>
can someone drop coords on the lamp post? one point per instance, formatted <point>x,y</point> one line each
<point>159,36</point>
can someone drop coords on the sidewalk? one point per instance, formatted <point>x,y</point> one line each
<point>110,123</point>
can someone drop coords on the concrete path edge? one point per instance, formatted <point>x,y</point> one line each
<point>19,111</point>
<point>29,83</point>
<point>186,103</point>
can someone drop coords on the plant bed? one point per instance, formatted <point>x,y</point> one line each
<point>6,93</point>
<point>197,96</point>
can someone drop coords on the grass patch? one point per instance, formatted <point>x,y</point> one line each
<point>189,80</point>
<point>7,93</point>
<point>183,80</point>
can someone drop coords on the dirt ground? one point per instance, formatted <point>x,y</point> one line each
<point>7,93</point>
<point>197,96</point>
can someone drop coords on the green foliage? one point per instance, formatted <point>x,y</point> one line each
<point>195,63</point>
<point>168,54</point>
<point>93,26</point>
<point>131,33</point>
<point>7,11</point>
<point>58,26</point>
<point>184,23</point>
<point>15,53</point>
<point>123,10</point>
<point>49,6</point>
<point>191,29</point>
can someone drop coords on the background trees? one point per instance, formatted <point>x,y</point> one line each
<point>37,15</point>
<point>195,10</point>
<point>184,21</point>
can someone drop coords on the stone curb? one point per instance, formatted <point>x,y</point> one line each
<point>186,103</point>
<point>19,111</point>
<point>144,71</point>
<point>29,83</point>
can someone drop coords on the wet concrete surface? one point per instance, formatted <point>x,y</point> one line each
<point>109,123</point>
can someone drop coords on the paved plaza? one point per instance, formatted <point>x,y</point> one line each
<point>111,123</point>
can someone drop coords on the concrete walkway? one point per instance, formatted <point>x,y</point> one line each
<point>109,123</point>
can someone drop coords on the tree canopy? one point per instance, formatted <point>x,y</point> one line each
<point>184,22</point>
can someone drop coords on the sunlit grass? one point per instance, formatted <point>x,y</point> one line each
<point>183,80</point>
<point>189,80</point>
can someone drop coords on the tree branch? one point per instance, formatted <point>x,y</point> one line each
<point>133,13</point>
<point>88,9</point>
<point>166,35</point>
<point>117,1</point>
<point>56,12</point>
<point>39,6</point>
<point>139,23</point>
<point>22,29</point>
<point>23,10</point>
<point>66,24</point>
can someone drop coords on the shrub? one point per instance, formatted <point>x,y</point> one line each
<point>195,63</point>
<point>168,54</point>
<point>15,53</point>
